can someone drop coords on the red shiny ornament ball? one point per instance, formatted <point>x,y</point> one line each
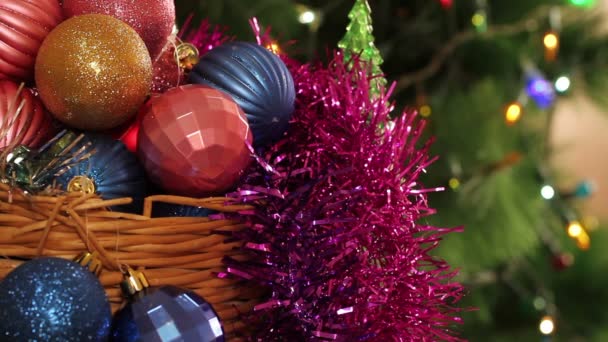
<point>128,132</point>
<point>32,126</point>
<point>152,19</point>
<point>194,141</point>
<point>23,26</point>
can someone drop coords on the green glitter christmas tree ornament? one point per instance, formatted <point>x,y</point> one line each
<point>359,40</point>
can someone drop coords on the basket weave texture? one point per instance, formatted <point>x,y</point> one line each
<point>180,251</point>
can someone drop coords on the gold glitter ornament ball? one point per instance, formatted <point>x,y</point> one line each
<point>93,72</point>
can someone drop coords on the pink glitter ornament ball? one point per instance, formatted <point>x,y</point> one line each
<point>152,19</point>
<point>166,73</point>
<point>194,141</point>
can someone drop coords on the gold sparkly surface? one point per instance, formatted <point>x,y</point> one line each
<point>188,56</point>
<point>81,184</point>
<point>93,72</point>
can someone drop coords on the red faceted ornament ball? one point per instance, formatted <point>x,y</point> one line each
<point>23,26</point>
<point>194,141</point>
<point>152,19</point>
<point>23,116</point>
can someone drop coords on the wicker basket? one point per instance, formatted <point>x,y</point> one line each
<point>180,251</point>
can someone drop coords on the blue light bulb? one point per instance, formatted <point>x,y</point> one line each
<point>540,91</point>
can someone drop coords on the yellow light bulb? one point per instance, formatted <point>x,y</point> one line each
<point>425,111</point>
<point>546,326</point>
<point>583,241</point>
<point>575,229</point>
<point>454,183</point>
<point>513,113</point>
<point>478,19</point>
<point>551,41</point>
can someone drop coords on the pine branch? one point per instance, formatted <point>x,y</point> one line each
<point>527,24</point>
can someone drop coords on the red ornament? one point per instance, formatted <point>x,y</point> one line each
<point>127,132</point>
<point>33,121</point>
<point>193,141</point>
<point>152,19</point>
<point>23,26</point>
<point>166,72</point>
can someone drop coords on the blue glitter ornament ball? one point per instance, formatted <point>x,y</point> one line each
<point>52,299</point>
<point>167,314</point>
<point>114,170</point>
<point>258,81</point>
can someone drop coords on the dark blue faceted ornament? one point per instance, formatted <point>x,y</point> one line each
<point>167,314</point>
<point>258,81</point>
<point>52,299</point>
<point>114,171</point>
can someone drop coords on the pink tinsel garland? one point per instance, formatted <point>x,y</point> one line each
<point>336,229</point>
<point>205,37</point>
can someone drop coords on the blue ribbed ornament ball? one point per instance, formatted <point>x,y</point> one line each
<point>114,170</point>
<point>258,81</point>
<point>52,299</point>
<point>167,314</point>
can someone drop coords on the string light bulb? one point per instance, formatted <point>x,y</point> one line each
<point>551,42</point>
<point>579,234</point>
<point>584,189</point>
<point>575,229</point>
<point>540,91</point>
<point>480,21</point>
<point>547,192</point>
<point>583,3</point>
<point>539,303</point>
<point>562,84</point>
<point>446,4</point>
<point>513,113</point>
<point>425,111</point>
<point>583,241</point>
<point>547,325</point>
<point>454,183</point>
<point>308,16</point>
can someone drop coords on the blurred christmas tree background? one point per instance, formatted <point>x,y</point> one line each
<point>511,89</point>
